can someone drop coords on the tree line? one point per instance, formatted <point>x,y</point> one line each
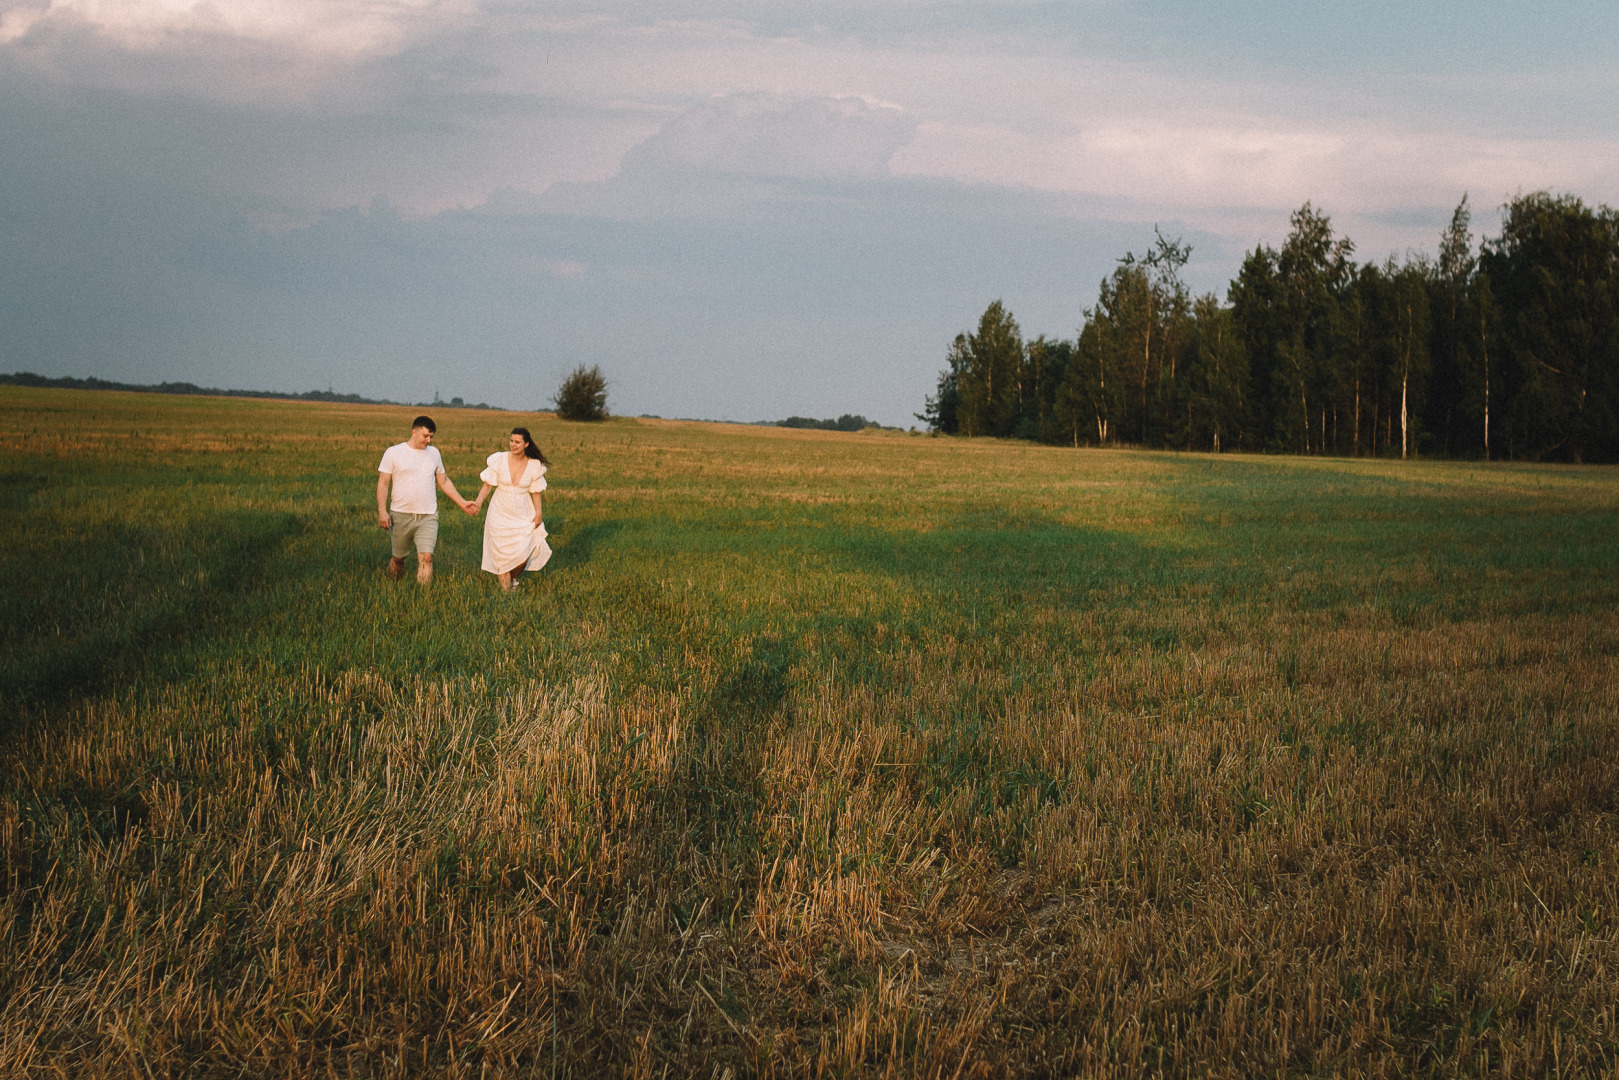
<point>846,422</point>
<point>1504,349</point>
<point>68,382</point>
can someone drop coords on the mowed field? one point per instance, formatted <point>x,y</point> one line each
<point>809,754</point>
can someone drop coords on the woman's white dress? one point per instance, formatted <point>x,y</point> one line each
<point>510,537</point>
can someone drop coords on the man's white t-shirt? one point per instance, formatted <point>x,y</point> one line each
<point>415,474</point>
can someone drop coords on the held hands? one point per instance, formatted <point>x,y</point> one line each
<point>470,507</point>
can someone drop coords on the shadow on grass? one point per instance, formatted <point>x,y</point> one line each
<point>580,546</point>
<point>17,489</point>
<point>124,599</point>
<point>989,560</point>
<point>724,792</point>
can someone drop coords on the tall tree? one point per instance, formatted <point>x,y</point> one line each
<point>1312,268</point>
<point>1555,273</point>
<point>1408,334</point>
<point>992,374</point>
<point>1141,311</point>
<point>1214,378</point>
<point>1089,396</point>
<point>1394,297</point>
<point>1255,298</point>
<point>1483,353</point>
<point>1174,305</point>
<point>1123,318</point>
<point>1355,333</point>
<point>1449,303</point>
<point>942,411</point>
<point>1286,306</point>
<point>1048,362</point>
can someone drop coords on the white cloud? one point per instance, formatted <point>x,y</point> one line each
<point>763,134</point>
<point>733,152</point>
<point>522,96</point>
<point>341,27</point>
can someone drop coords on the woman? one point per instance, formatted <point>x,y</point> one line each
<point>514,532</point>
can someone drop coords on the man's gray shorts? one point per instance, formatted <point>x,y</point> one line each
<point>422,528</point>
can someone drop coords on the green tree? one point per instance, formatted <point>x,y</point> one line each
<point>1089,394</point>
<point>1391,359</point>
<point>1554,271</point>
<point>582,395</point>
<point>1481,357</point>
<point>1450,300</point>
<point>1256,309</point>
<point>1214,378</point>
<point>1140,315</point>
<point>1122,341</point>
<point>1313,267</point>
<point>990,381</point>
<point>1356,331</point>
<point>942,411</point>
<point>1408,337</point>
<point>1286,305</point>
<point>1171,310</point>
<point>1048,361</point>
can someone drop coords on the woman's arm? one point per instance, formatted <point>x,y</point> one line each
<point>539,516</point>
<point>483,493</point>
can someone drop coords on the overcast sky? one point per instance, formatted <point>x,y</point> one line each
<point>739,211</point>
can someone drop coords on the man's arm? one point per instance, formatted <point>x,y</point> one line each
<point>382,500</point>
<point>446,486</point>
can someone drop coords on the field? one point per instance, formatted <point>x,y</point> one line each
<point>809,754</point>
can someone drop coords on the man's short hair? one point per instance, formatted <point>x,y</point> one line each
<point>426,422</point>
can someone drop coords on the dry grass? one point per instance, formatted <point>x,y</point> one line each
<point>835,760</point>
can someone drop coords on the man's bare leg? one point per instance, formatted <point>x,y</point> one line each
<point>424,568</point>
<point>396,567</point>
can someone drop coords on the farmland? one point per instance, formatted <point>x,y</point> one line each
<point>810,753</point>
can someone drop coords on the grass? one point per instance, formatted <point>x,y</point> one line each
<point>809,753</point>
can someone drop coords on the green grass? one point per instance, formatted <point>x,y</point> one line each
<point>808,752</point>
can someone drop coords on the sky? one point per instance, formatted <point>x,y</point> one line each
<point>738,210</point>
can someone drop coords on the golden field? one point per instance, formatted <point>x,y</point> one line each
<point>809,754</point>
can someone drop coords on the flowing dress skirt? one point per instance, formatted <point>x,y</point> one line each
<point>510,538</point>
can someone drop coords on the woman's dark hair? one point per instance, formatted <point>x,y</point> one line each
<point>528,445</point>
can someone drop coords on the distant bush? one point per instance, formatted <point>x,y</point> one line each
<point>583,395</point>
<point>846,422</point>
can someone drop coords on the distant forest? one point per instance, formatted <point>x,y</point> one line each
<point>67,382</point>
<point>1505,350</point>
<point>846,422</point>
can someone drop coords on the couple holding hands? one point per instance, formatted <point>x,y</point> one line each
<point>514,530</point>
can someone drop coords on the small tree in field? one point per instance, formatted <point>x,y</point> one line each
<point>583,395</point>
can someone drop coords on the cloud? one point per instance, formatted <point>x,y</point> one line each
<point>1174,112</point>
<point>775,135</point>
<point>337,27</point>
<point>736,151</point>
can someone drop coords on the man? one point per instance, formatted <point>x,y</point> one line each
<point>414,466</point>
